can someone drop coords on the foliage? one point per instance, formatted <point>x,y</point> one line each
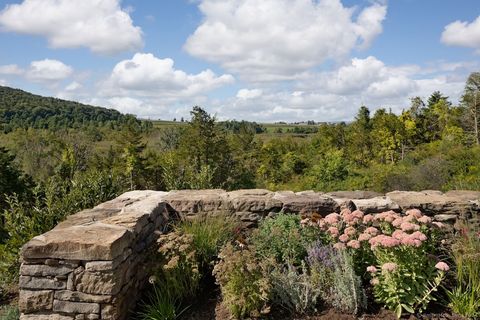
<point>293,288</point>
<point>465,296</point>
<point>283,238</point>
<point>244,285</point>
<point>20,109</point>
<point>160,305</point>
<point>405,272</point>
<point>9,313</point>
<point>209,234</point>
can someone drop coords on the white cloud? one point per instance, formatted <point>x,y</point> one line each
<point>147,75</point>
<point>11,69</point>
<point>463,34</point>
<point>100,25</point>
<point>48,71</point>
<point>280,39</point>
<point>3,82</point>
<point>249,94</point>
<point>74,86</point>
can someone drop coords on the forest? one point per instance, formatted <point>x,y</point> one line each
<point>58,157</point>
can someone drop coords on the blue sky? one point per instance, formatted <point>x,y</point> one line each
<point>260,60</point>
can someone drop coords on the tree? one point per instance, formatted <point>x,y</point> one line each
<point>471,100</point>
<point>132,148</point>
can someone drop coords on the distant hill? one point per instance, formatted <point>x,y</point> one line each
<point>21,109</point>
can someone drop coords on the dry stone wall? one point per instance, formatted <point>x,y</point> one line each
<point>95,264</point>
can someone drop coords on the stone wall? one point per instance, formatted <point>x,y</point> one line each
<point>94,265</point>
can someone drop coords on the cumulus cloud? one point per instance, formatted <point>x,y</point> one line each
<point>463,34</point>
<point>3,82</point>
<point>48,71</point>
<point>100,25</point>
<point>11,69</point>
<point>147,75</point>
<point>249,94</point>
<point>280,39</point>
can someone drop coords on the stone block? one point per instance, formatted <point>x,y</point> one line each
<point>39,270</point>
<point>75,296</point>
<point>27,282</point>
<point>75,307</point>
<point>33,301</point>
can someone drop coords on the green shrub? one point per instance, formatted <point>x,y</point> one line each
<point>9,313</point>
<point>209,234</point>
<point>244,286</point>
<point>465,297</point>
<point>284,239</point>
<point>161,305</point>
<point>294,289</point>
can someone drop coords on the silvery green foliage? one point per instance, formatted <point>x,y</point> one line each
<point>347,293</point>
<point>294,289</point>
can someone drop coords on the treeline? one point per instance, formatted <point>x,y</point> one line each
<point>47,174</point>
<point>20,109</point>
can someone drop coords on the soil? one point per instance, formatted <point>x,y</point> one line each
<point>209,307</point>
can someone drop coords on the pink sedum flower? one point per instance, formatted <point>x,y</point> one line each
<point>339,246</point>
<point>389,267</point>
<point>425,220</point>
<point>367,218</point>
<point>399,235</point>
<point>350,231</point>
<point>333,231</point>
<point>343,238</point>
<point>375,281</point>
<point>414,212</point>
<point>332,218</point>
<point>364,237</point>
<point>419,236</point>
<point>408,226</point>
<point>355,244</point>
<point>372,269</point>
<point>384,241</point>
<point>442,266</point>
<point>397,222</point>
<point>372,231</point>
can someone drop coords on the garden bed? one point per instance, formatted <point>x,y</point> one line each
<point>342,266</point>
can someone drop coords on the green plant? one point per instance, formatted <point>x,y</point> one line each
<point>161,305</point>
<point>284,238</point>
<point>465,296</point>
<point>293,289</point>
<point>179,273</point>
<point>9,313</point>
<point>209,234</point>
<point>245,288</point>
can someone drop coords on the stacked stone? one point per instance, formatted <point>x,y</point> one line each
<point>93,265</point>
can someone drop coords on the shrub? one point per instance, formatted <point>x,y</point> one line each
<point>9,313</point>
<point>161,305</point>
<point>244,286</point>
<point>402,247</point>
<point>179,273</point>
<point>209,234</point>
<point>465,297</point>
<point>293,289</point>
<point>283,238</point>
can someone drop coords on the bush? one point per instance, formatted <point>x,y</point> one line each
<point>405,270</point>
<point>294,290</point>
<point>284,239</point>
<point>209,234</point>
<point>465,297</point>
<point>161,305</point>
<point>245,288</point>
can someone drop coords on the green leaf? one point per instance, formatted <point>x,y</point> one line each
<point>398,311</point>
<point>408,308</point>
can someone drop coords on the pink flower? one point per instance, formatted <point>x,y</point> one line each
<point>367,218</point>
<point>332,218</point>
<point>425,220</point>
<point>343,238</point>
<point>339,246</point>
<point>371,269</point>
<point>399,235</point>
<point>364,237</point>
<point>371,231</point>
<point>407,226</point>
<point>397,222</point>
<point>419,236</point>
<point>388,216</point>
<point>358,214</point>
<point>442,266</point>
<point>384,241</point>
<point>414,212</point>
<point>389,267</point>
<point>333,231</point>
<point>412,242</point>
<point>355,244</point>
<point>375,281</point>
<point>350,231</point>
